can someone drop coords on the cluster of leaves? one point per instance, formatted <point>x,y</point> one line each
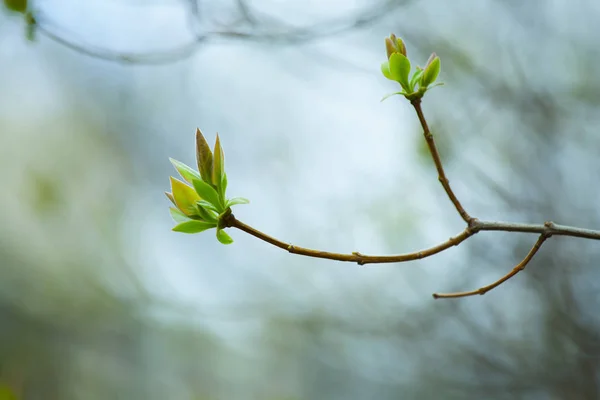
<point>203,205</point>
<point>397,68</point>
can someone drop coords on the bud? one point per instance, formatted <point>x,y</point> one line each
<point>431,71</point>
<point>394,45</point>
<point>204,157</point>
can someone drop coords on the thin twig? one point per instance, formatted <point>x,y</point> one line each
<point>483,290</point>
<point>474,226</point>
<point>360,259</point>
<point>438,163</point>
<point>548,229</point>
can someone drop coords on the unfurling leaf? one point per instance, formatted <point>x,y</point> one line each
<point>207,214</point>
<point>177,215</point>
<point>431,72</point>
<point>385,70</point>
<point>204,157</point>
<point>237,200</point>
<point>223,188</point>
<point>399,69</point>
<point>218,165</point>
<point>223,237</point>
<point>415,78</point>
<point>186,172</point>
<point>208,193</point>
<point>185,197</point>
<point>194,226</point>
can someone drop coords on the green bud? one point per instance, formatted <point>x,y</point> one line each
<point>394,45</point>
<point>431,71</point>
<point>204,157</point>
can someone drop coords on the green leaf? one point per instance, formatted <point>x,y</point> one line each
<point>223,188</point>
<point>414,79</point>
<point>385,70</point>
<point>207,214</point>
<point>207,205</point>
<point>399,69</point>
<point>177,215</point>
<point>194,226</point>
<point>431,72</point>
<point>185,197</point>
<point>208,193</point>
<point>218,165</point>
<point>186,172</point>
<point>223,237</point>
<point>204,157</point>
<point>237,200</point>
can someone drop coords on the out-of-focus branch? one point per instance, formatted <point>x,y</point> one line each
<point>260,28</point>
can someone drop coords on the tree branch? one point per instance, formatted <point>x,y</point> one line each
<point>545,230</point>
<point>438,163</point>
<point>281,33</point>
<point>483,290</point>
<point>361,259</point>
<point>474,226</point>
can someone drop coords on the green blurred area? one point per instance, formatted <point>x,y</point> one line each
<point>86,314</point>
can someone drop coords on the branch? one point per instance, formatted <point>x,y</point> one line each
<point>285,34</point>
<point>483,290</point>
<point>545,230</point>
<point>397,68</point>
<point>474,226</point>
<point>438,163</point>
<point>361,259</point>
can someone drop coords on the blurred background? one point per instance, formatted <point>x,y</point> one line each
<point>100,300</point>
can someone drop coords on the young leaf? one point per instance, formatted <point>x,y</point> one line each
<point>431,72</point>
<point>193,227</point>
<point>185,197</point>
<point>223,237</point>
<point>237,200</point>
<point>385,70</point>
<point>186,172</point>
<point>399,69</point>
<point>204,157</point>
<point>170,197</point>
<point>177,215</point>
<point>223,188</point>
<point>208,193</point>
<point>415,79</point>
<point>207,214</point>
<point>218,165</point>
<point>205,204</point>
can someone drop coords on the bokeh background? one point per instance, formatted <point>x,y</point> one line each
<point>100,300</point>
